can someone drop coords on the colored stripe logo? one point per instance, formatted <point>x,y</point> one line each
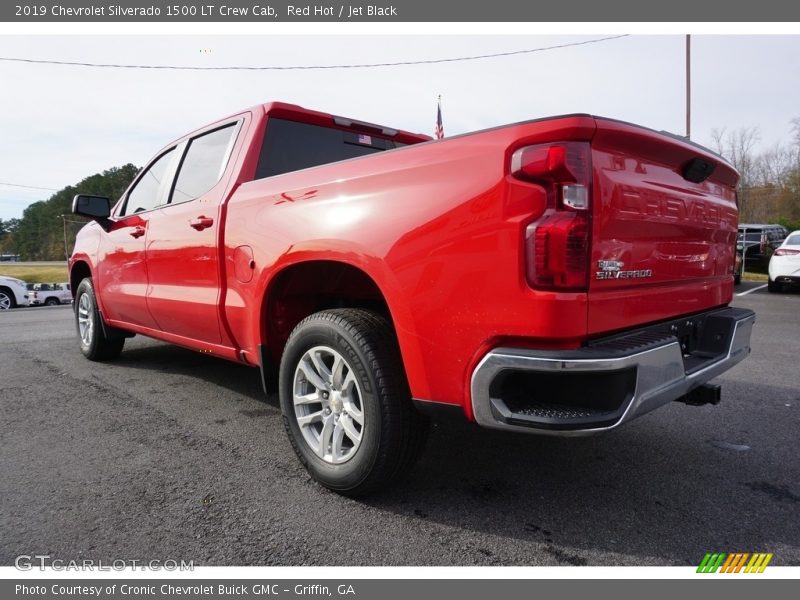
<point>737,562</point>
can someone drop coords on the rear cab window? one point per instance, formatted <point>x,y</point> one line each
<point>292,146</point>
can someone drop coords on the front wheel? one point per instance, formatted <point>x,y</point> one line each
<point>94,342</point>
<point>7,300</point>
<point>345,401</point>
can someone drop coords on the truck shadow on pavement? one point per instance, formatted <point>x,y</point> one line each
<point>667,488</point>
<point>165,358</point>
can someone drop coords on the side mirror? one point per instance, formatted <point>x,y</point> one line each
<point>94,207</point>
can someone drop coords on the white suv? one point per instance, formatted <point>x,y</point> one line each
<point>13,293</point>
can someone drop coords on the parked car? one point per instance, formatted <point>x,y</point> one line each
<point>49,294</point>
<point>758,241</point>
<point>531,278</point>
<point>784,266</point>
<point>13,293</point>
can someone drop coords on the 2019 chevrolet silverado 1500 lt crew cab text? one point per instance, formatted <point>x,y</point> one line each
<point>557,276</point>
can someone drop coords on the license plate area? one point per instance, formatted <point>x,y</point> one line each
<point>703,338</point>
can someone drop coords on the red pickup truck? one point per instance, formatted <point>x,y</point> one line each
<point>558,276</point>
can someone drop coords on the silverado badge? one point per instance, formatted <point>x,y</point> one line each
<point>612,269</point>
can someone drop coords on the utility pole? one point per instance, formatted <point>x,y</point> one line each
<point>66,252</point>
<point>688,86</point>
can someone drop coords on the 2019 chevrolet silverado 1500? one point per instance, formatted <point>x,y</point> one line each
<point>557,276</point>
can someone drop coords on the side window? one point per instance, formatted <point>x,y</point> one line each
<point>203,164</point>
<point>148,192</point>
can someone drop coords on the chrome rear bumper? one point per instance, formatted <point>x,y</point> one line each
<point>570,392</point>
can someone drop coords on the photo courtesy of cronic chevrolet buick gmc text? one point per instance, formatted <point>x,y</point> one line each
<point>560,276</point>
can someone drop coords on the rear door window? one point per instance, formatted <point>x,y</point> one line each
<point>291,146</point>
<point>203,164</point>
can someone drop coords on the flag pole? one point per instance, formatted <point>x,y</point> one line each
<point>439,133</point>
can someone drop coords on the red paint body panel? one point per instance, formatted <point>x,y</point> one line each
<point>122,269</point>
<point>439,227</point>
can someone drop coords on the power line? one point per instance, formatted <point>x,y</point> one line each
<point>32,187</point>
<point>314,67</point>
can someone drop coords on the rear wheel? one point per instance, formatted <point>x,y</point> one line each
<point>52,302</point>
<point>95,345</point>
<point>345,401</point>
<point>7,300</point>
<point>774,287</point>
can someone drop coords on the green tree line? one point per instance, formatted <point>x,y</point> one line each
<point>42,233</point>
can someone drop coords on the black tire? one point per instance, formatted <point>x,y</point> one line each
<point>393,433</point>
<point>773,287</point>
<point>95,345</point>
<point>52,302</point>
<point>7,299</point>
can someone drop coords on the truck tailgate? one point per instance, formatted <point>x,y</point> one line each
<point>664,228</point>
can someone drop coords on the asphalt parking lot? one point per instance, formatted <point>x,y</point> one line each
<point>169,454</point>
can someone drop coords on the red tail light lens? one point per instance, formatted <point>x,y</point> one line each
<point>557,245</point>
<point>786,252</point>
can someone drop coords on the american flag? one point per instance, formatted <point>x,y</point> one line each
<point>439,126</point>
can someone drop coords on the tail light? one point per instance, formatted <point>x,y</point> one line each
<point>557,245</point>
<point>786,252</point>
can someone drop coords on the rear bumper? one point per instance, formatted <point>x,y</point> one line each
<point>782,270</point>
<point>608,382</point>
<point>787,279</point>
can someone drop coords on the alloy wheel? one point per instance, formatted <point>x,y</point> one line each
<point>327,404</point>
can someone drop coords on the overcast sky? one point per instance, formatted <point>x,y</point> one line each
<point>60,124</point>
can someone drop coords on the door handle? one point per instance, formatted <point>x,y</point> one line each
<point>138,231</point>
<point>201,223</point>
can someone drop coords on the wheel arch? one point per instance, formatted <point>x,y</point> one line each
<point>79,270</point>
<point>294,292</point>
